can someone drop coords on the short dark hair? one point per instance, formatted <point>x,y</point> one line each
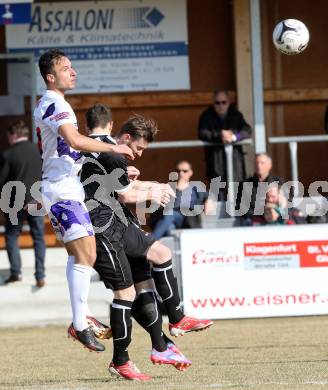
<point>98,115</point>
<point>139,127</point>
<point>47,61</point>
<point>18,128</point>
<point>181,162</point>
<point>224,91</point>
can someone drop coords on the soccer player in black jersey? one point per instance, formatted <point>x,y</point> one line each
<point>125,251</point>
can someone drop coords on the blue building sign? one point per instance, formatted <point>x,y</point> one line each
<point>19,13</point>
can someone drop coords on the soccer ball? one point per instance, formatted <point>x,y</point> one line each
<point>291,36</point>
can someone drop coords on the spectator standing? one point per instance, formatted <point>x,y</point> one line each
<point>22,162</point>
<point>222,123</point>
<point>187,197</point>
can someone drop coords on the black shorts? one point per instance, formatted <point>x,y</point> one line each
<point>121,255</point>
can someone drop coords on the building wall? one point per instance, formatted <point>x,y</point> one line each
<point>307,71</point>
<point>211,66</point>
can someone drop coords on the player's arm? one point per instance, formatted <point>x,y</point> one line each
<point>139,191</point>
<point>150,185</point>
<point>141,185</point>
<point>131,195</point>
<point>82,143</point>
<point>136,191</point>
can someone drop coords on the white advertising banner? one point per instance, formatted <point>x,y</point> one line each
<point>255,271</point>
<point>115,46</point>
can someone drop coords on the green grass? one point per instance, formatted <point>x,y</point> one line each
<point>261,354</point>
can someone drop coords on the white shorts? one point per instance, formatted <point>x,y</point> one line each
<point>64,202</point>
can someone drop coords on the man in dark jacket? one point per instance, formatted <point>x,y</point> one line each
<point>22,163</point>
<point>222,123</point>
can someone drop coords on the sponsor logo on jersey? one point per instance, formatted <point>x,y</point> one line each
<point>60,116</point>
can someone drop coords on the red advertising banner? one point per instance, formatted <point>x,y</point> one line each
<point>311,253</point>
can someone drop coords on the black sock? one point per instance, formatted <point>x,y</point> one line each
<point>146,312</point>
<point>167,288</point>
<point>121,324</point>
<point>167,340</point>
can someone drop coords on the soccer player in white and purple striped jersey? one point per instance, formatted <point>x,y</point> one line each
<point>61,145</point>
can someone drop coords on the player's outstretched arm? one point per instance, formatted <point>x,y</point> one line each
<point>140,191</point>
<point>151,185</point>
<point>82,143</point>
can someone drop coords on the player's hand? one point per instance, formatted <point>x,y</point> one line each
<point>124,150</point>
<point>168,189</point>
<point>133,172</point>
<point>160,194</point>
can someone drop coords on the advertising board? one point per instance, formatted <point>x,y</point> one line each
<point>255,271</point>
<point>115,46</point>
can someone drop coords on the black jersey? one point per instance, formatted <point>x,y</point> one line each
<point>121,244</point>
<point>104,175</point>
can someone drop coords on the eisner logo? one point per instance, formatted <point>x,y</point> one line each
<point>270,248</point>
<point>203,257</point>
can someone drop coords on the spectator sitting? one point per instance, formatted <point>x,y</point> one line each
<point>276,211</point>
<point>249,191</point>
<point>222,123</point>
<point>187,197</point>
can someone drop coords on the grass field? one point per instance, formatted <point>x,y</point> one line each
<point>263,354</point>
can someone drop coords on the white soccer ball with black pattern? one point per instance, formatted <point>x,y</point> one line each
<point>291,36</point>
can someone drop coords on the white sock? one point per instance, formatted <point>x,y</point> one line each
<point>69,266</point>
<point>69,270</point>
<point>89,312</point>
<point>78,278</point>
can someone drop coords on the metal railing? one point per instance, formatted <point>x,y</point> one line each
<point>293,146</point>
<point>228,148</point>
